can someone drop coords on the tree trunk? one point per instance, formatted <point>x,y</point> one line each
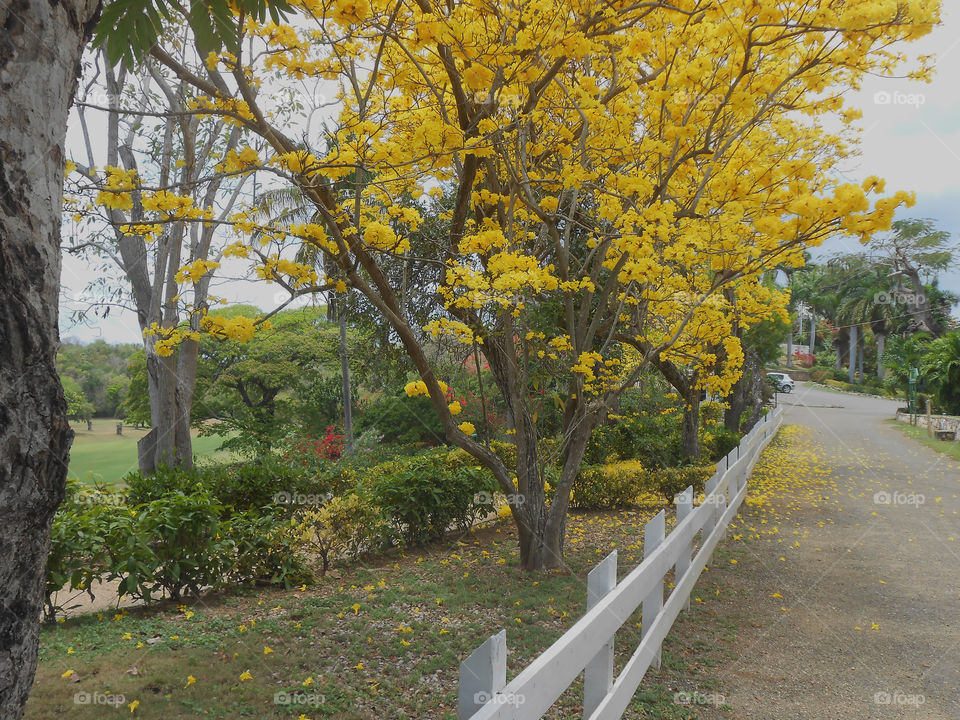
<point>813,334</point>
<point>40,46</point>
<point>852,364</point>
<point>881,346</point>
<point>690,433</point>
<point>860,354</point>
<point>345,375</point>
<point>790,345</point>
<point>169,442</point>
<point>747,393</point>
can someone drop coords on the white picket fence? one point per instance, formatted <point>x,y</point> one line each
<point>587,647</point>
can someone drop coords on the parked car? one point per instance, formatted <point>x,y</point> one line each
<point>781,381</point>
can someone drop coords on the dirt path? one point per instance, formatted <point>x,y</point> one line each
<point>846,591</point>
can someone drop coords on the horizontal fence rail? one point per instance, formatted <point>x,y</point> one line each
<point>587,647</point>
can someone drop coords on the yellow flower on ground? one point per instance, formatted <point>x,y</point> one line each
<point>67,674</point>
<point>245,675</point>
<point>267,650</point>
<point>133,706</point>
<point>190,681</point>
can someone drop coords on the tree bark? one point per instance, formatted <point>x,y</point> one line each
<point>345,378</point>
<point>852,363</point>
<point>881,346</point>
<point>690,432</point>
<point>40,46</point>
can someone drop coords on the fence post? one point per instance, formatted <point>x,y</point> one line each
<point>598,674</point>
<point>482,675</point>
<point>653,534</point>
<point>684,507</point>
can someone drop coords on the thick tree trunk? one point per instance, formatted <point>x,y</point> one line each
<point>747,393</point>
<point>690,432</point>
<point>170,383</point>
<point>40,46</point>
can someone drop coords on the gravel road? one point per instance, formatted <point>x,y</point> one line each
<point>868,626</point>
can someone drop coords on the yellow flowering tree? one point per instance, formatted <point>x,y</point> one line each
<point>149,201</point>
<point>615,171</point>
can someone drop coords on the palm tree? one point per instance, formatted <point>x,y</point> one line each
<point>941,369</point>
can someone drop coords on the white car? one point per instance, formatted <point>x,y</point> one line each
<point>781,381</point>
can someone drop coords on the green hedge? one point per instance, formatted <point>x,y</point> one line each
<point>424,495</point>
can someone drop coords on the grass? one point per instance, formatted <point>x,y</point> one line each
<point>383,640</point>
<point>947,447</point>
<point>103,455</point>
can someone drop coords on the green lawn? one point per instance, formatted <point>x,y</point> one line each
<point>946,447</point>
<point>379,640</point>
<point>103,455</point>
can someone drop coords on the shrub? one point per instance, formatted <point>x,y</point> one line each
<point>604,487</point>
<point>144,488</point>
<point>423,495</point>
<point>264,550</point>
<point>344,528</point>
<point>263,483</point>
<point>670,482</point>
<point>620,484</point>
<point>821,375</point>
<point>267,482</point>
<point>719,441</point>
<point>403,419</point>
<point>182,532</point>
<point>653,438</point>
<point>78,554</point>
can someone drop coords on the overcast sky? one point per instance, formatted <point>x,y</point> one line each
<point>911,137</point>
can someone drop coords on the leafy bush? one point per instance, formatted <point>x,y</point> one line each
<point>344,528</point>
<point>615,485</point>
<point>604,487</point>
<point>423,495</point>
<point>821,375</point>
<point>264,550</point>
<point>718,441</point>
<point>670,482</point>
<point>77,548</point>
<point>653,438</point>
<point>267,482</point>
<point>144,488</point>
<point>183,534</point>
<point>403,419</point>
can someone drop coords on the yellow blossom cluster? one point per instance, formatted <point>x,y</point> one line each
<point>196,270</point>
<point>117,188</point>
